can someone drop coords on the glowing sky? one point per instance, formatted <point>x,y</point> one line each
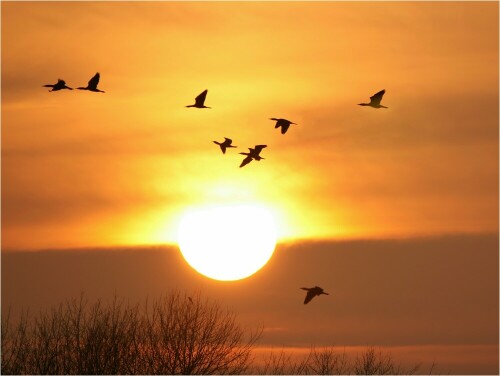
<point>83,169</point>
<point>108,172</point>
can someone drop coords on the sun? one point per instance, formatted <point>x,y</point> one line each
<point>227,242</point>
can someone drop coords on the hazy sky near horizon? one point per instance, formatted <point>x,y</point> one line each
<point>91,169</point>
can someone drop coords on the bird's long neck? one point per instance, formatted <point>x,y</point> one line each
<point>363,104</point>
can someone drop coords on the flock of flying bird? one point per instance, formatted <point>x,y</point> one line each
<point>253,154</point>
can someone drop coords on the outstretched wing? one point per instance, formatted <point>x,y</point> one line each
<point>376,98</point>
<point>228,141</point>
<point>94,81</point>
<point>284,127</point>
<point>309,296</point>
<point>246,161</point>
<point>258,148</point>
<point>200,99</point>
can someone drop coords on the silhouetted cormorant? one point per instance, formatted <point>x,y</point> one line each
<point>92,85</point>
<point>253,154</point>
<point>375,100</point>
<point>59,86</point>
<point>200,101</point>
<point>225,144</point>
<point>312,292</point>
<point>283,123</point>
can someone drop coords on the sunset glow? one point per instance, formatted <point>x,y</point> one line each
<point>393,210</point>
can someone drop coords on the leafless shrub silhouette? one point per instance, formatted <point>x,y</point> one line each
<point>373,362</point>
<point>15,345</point>
<point>329,361</point>
<point>194,337</point>
<point>177,336</point>
<point>281,364</point>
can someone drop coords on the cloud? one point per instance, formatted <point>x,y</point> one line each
<point>393,292</point>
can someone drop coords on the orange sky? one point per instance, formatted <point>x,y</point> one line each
<point>87,169</point>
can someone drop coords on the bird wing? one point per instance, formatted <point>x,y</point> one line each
<point>61,82</point>
<point>200,99</point>
<point>258,148</point>
<point>310,294</point>
<point>376,98</point>
<point>284,128</point>
<point>228,141</point>
<point>94,81</point>
<point>246,161</point>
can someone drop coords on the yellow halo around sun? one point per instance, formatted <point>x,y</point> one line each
<point>228,242</point>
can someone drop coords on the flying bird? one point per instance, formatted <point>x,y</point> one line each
<point>92,85</point>
<point>312,292</point>
<point>252,154</point>
<point>283,123</point>
<point>226,144</point>
<point>200,100</point>
<point>375,100</point>
<point>61,84</point>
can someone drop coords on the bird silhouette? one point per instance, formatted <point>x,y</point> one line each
<point>312,292</point>
<point>226,144</point>
<point>61,84</point>
<point>283,123</point>
<point>252,154</point>
<point>92,85</point>
<point>200,100</point>
<point>375,100</point>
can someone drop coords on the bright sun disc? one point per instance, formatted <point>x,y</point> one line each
<point>227,242</point>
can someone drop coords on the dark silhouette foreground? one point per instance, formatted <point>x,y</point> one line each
<point>174,334</point>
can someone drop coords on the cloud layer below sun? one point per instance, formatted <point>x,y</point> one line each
<point>428,300</point>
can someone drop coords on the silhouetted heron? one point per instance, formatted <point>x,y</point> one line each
<point>375,100</point>
<point>92,85</point>
<point>252,154</point>
<point>61,84</point>
<point>283,123</point>
<point>312,292</point>
<point>226,144</point>
<point>200,100</point>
